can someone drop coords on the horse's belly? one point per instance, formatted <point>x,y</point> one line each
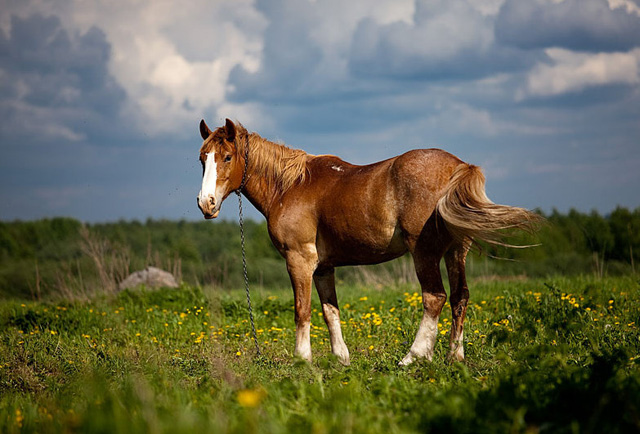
<point>361,248</point>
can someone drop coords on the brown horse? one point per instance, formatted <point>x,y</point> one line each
<point>323,213</point>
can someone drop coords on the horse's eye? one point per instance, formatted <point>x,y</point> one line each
<point>227,158</point>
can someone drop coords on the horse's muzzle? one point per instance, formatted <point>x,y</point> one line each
<point>208,209</point>
<point>211,216</point>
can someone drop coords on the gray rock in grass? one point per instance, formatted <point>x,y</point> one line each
<point>151,277</point>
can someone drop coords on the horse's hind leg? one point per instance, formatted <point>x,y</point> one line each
<point>455,259</point>
<point>326,286</point>
<point>433,299</point>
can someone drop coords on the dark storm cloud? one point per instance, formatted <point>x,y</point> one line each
<point>290,59</point>
<point>61,131</point>
<point>447,40</point>
<point>583,25</point>
<point>57,79</point>
<point>404,51</point>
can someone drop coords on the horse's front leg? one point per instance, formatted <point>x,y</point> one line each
<point>326,285</point>
<point>301,264</point>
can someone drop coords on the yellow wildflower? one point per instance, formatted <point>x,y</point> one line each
<point>250,398</point>
<point>19,418</point>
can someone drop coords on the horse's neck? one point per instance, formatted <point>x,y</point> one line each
<point>260,189</point>
<point>260,193</point>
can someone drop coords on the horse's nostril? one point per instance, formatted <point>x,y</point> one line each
<point>212,200</point>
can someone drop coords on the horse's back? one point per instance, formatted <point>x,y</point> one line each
<point>432,166</point>
<point>382,189</point>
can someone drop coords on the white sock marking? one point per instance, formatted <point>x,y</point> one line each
<point>424,342</point>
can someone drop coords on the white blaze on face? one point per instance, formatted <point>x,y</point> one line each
<point>209,180</point>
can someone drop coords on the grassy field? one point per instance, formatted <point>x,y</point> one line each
<point>555,355</point>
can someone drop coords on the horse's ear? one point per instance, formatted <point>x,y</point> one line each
<point>205,132</point>
<point>231,130</point>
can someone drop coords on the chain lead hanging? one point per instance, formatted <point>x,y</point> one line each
<point>244,257</point>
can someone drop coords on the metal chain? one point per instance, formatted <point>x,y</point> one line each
<point>244,256</point>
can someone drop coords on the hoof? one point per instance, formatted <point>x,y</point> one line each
<point>341,352</point>
<point>303,357</point>
<point>456,354</point>
<point>412,357</point>
<point>455,357</point>
<point>406,361</point>
<point>343,358</point>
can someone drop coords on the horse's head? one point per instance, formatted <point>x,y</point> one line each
<point>222,167</point>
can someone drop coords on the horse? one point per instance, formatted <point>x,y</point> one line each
<point>323,213</point>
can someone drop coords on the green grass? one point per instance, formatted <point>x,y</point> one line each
<point>559,355</point>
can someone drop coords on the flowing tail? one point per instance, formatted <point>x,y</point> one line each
<point>471,216</point>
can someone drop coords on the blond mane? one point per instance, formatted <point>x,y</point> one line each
<point>278,164</point>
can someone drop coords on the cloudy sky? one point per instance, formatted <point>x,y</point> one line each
<point>100,100</point>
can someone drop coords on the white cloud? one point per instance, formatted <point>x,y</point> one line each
<point>174,60</point>
<point>629,6</point>
<point>573,72</point>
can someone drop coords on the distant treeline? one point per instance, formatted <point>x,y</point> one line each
<point>576,243</point>
<point>62,256</point>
